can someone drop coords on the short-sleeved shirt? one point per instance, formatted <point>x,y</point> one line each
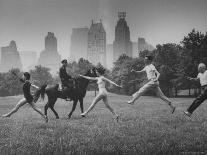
<point>203,78</point>
<point>150,70</point>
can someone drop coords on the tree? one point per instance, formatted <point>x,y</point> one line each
<point>41,75</point>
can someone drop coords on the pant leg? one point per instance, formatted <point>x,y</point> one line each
<point>148,86</point>
<point>202,97</point>
<point>161,95</point>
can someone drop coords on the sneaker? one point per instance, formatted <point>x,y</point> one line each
<point>187,113</point>
<point>130,102</point>
<point>5,115</point>
<point>46,119</point>
<point>173,110</point>
<point>117,118</point>
<point>83,115</point>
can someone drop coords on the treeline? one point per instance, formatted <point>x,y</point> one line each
<point>173,61</point>
<point>11,85</point>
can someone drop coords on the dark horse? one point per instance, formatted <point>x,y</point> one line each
<point>77,94</point>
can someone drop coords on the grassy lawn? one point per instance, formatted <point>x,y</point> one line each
<point>147,127</point>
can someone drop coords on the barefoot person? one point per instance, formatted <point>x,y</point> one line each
<point>152,84</point>
<point>202,77</point>
<point>28,98</point>
<point>102,95</point>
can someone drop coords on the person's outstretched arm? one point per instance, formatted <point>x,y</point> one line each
<point>89,78</point>
<point>192,79</point>
<point>141,71</point>
<point>111,82</point>
<point>34,86</point>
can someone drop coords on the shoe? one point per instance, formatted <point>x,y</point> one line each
<point>173,110</point>
<point>83,115</point>
<point>187,113</point>
<point>5,115</point>
<point>130,102</point>
<point>117,118</point>
<point>46,119</point>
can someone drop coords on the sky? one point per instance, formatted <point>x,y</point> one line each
<point>158,21</point>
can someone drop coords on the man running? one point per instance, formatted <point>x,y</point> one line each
<point>152,84</point>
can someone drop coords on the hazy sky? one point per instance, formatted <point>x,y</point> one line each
<point>159,21</point>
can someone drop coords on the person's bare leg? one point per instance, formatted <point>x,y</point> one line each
<point>160,94</point>
<point>39,111</point>
<point>105,100</point>
<point>98,98</point>
<point>19,104</point>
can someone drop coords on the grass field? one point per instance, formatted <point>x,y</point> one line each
<point>147,127</point>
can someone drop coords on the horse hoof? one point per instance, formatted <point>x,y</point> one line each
<point>69,116</point>
<point>57,117</point>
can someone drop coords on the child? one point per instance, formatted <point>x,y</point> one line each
<point>152,84</point>
<point>202,77</point>
<point>102,95</point>
<point>28,98</point>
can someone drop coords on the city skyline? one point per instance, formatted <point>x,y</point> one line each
<point>158,21</point>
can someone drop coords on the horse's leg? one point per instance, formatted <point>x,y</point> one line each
<point>73,108</point>
<point>46,107</point>
<point>56,114</point>
<point>81,104</point>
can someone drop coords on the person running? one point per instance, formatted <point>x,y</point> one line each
<point>102,95</point>
<point>66,80</point>
<point>28,98</point>
<point>202,77</point>
<point>152,84</point>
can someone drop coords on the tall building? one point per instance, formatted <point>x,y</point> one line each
<point>122,44</point>
<point>143,45</point>
<point>29,59</point>
<point>97,44</point>
<point>50,57</point>
<point>10,58</point>
<point>79,43</point>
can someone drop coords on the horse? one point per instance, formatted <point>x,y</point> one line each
<point>76,95</point>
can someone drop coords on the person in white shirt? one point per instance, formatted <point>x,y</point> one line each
<point>152,84</point>
<point>202,77</point>
<point>102,95</point>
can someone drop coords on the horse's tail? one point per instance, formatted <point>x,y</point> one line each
<point>40,92</point>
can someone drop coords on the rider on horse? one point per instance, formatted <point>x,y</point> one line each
<point>66,80</point>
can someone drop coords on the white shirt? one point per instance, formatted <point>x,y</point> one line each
<point>203,78</point>
<point>150,70</point>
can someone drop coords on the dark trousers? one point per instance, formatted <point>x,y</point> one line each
<point>202,97</point>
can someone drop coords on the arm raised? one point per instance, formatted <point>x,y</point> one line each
<point>111,82</point>
<point>141,71</point>
<point>89,78</point>
<point>34,86</point>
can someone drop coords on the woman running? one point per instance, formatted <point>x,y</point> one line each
<point>28,98</point>
<point>102,95</point>
<point>152,84</point>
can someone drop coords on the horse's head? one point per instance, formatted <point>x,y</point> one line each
<point>91,72</point>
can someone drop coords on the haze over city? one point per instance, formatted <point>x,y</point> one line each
<point>159,21</point>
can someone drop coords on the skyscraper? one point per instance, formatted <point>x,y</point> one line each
<point>79,43</point>
<point>97,44</point>
<point>122,43</point>
<point>10,58</point>
<point>143,45</point>
<point>50,57</point>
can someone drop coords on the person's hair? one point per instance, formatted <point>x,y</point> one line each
<point>101,70</point>
<point>64,61</point>
<point>201,65</point>
<point>149,57</point>
<point>27,75</point>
